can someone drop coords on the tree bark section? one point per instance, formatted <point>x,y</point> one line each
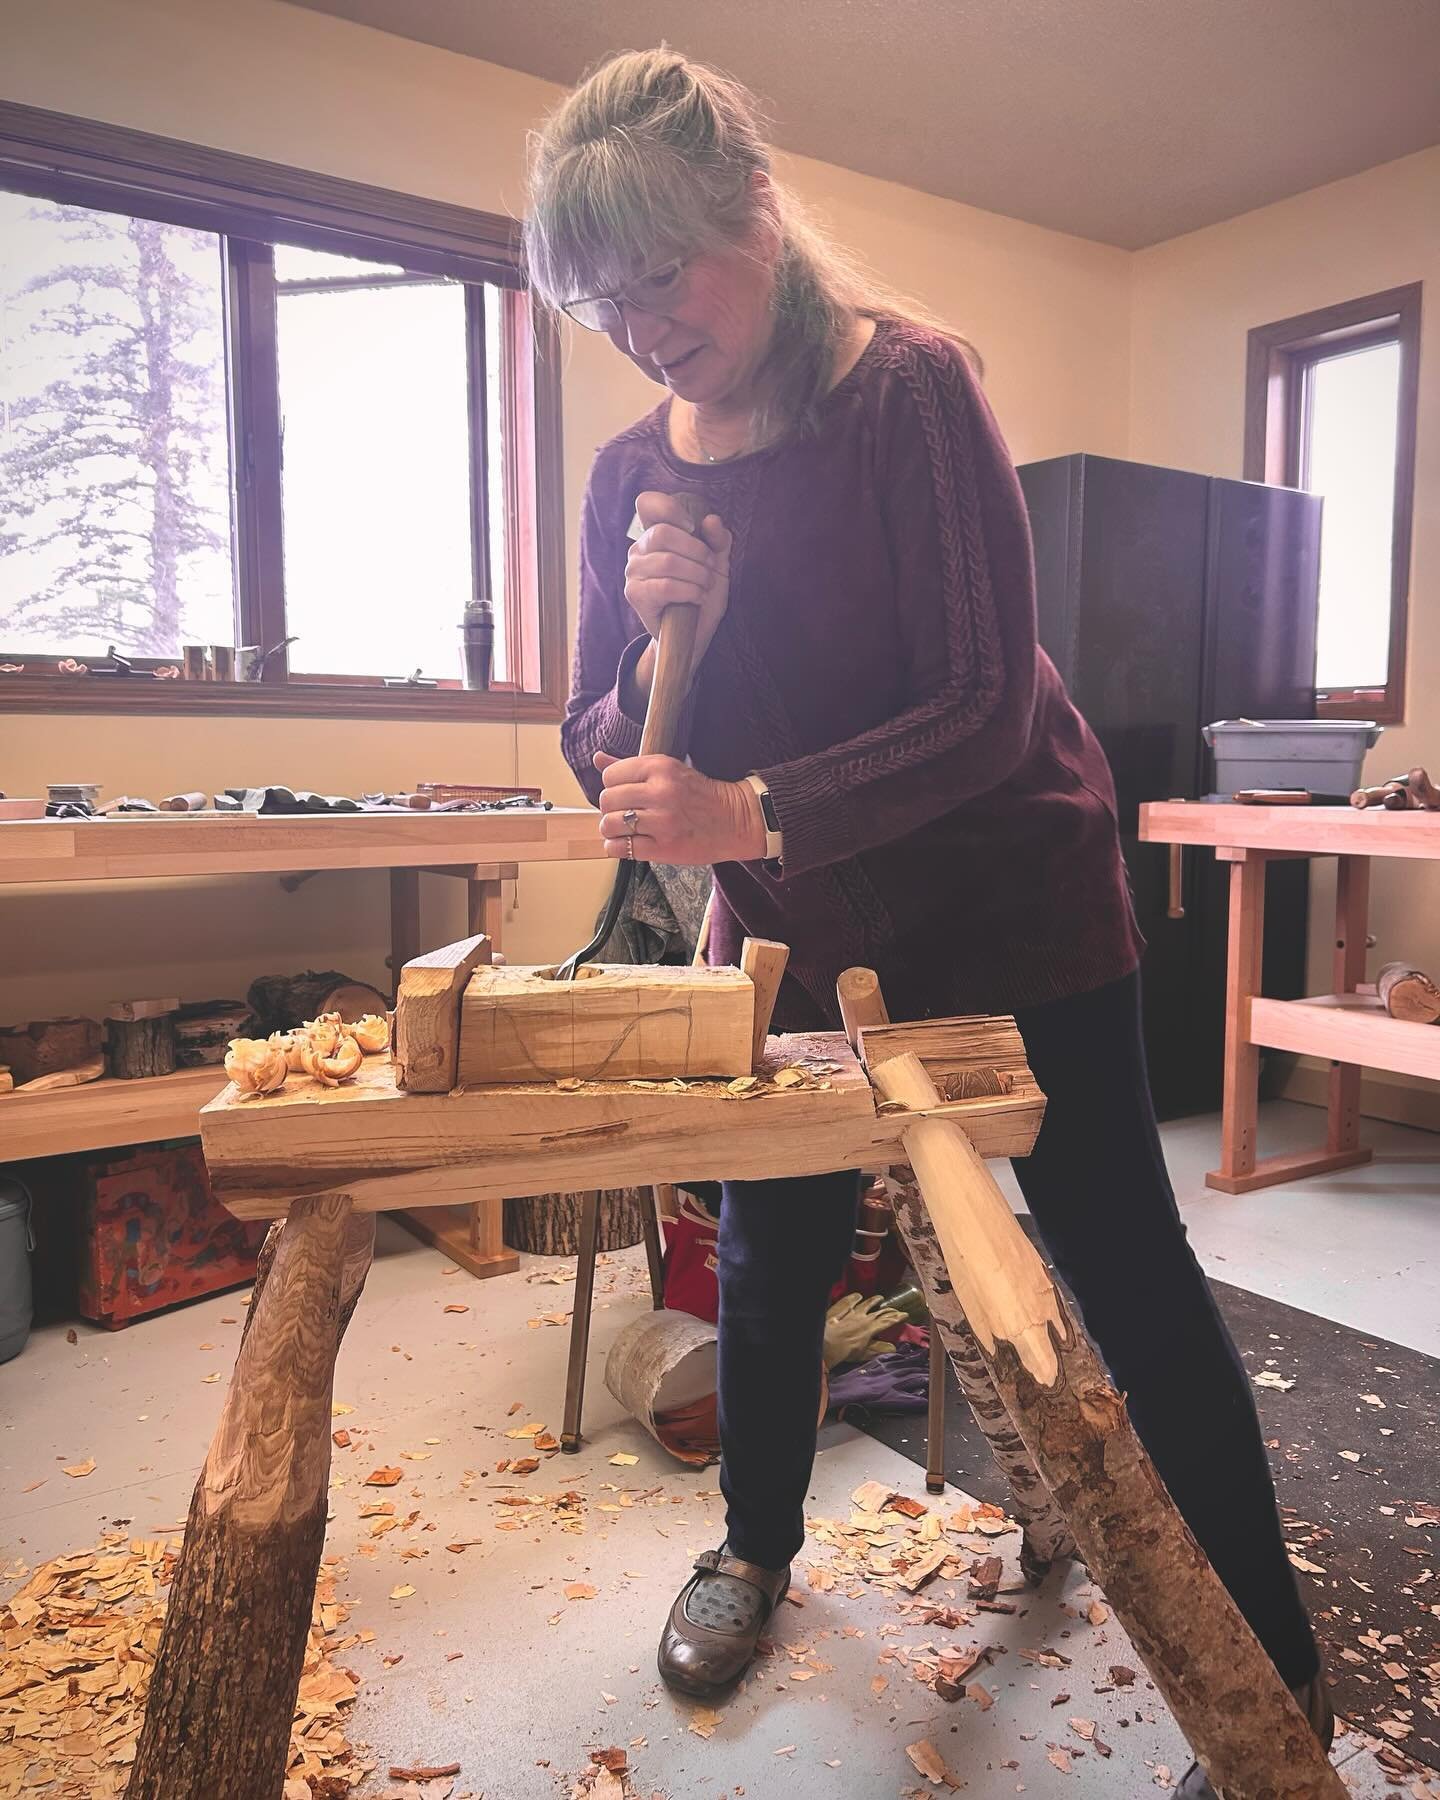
<point>139,1047</point>
<point>222,1693</point>
<point>1047,1536</point>
<point>549,1224</point>
<point>1228,1699</point>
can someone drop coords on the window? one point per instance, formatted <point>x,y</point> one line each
<point>244,406</point>
<point>1330,407</point>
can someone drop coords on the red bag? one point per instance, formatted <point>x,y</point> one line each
<point>877,1264</point>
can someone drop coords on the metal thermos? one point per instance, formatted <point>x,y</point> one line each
<point>478,637</point>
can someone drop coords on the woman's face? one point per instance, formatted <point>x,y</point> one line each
<point>706,342</point>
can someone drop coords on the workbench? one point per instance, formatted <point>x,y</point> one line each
<point>1348,1027</point>
<point>482,849</point>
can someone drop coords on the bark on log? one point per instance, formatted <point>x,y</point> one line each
<point>549,1224</point>
<point>222,1693</point>
<point>138,1047</point>
<point>281,1002</point>
<point>1408,993</point>
<point>48,1047</point>
<point>1046,1534</point>
<point>1228,1699</point>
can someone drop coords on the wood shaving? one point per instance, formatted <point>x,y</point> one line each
<point>80,1638</point>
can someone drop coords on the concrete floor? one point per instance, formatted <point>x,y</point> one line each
<point>540,1679</point>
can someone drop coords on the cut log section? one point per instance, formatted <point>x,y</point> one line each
<point>1224,1691</point>
<point>427,1015</point>
<point>1408,993</point>
<point>549,1224</point>
<point>222,1693</point>
<point>140,1038</point>
<point>48,1047</point>
<point>615,1021</point>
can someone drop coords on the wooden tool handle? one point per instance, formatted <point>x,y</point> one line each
<point>861,1002</point>
<point>675,647</point>
<point>671,682</point>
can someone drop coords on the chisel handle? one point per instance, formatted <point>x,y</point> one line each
<point>674,654</point>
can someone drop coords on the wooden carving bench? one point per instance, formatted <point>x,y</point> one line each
<point>724,1101</point>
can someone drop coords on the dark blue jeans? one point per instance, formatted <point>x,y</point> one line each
<point>1097,1189</point>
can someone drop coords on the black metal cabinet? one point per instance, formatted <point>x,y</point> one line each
<point>1168,599</point>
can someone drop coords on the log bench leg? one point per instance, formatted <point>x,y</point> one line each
<point>1225,1693</point>
<point>1047,1536</point>
<point>222,1692</point>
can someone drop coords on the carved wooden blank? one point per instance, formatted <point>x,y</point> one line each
<point>614,1022</point>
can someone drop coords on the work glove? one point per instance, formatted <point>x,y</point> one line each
<point>854,1325</point>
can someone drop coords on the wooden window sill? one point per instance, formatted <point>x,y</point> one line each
<point>283,700</point>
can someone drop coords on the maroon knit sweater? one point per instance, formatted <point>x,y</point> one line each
<point>949,818</point>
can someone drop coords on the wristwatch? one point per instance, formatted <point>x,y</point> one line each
<point>774,837</point>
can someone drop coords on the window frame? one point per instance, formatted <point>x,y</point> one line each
<point>1278,360</point>
<point>253,204</point>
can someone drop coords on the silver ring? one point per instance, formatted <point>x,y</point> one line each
<point>631,818</point>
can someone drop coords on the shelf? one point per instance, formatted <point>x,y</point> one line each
<point>1347,1028</point>
<point>99,1115</point>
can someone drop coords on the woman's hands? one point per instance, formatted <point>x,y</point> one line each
<point>670,565</point>
<point>661,810</point>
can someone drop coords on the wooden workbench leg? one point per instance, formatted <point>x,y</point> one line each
<point>1226,1694</point>
<point>485,907</point>
<point>1240,1105</point>
<point>222,1693</point>
<point>1352,906</point>
<point>654,1248</point>
<point>404,920</point>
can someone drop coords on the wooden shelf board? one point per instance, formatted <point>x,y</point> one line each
<point>1347,1028</point>
<point>98,1115</point>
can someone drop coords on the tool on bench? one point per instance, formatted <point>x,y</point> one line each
<point>1414,792</point>
<point>668,687</point>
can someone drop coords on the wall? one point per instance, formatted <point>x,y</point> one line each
<point>1193,301</point>
<point>1049,312</point>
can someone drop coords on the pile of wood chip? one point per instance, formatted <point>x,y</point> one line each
<point>77,1644</point>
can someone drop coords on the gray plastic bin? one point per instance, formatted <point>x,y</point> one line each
<point>16,1243</point>
<point>1323,755</point>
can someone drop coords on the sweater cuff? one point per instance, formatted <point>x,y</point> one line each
<point>814,816</point>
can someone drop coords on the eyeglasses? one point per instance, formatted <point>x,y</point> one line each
<point>652,292</point>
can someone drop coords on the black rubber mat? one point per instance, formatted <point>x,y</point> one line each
<point>1355,1448</point>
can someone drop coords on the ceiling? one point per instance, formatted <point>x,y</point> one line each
<point>1127,121</point>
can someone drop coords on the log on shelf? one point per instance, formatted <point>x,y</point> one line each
<point>281,1002</point>
<point>48,1047</point>
<point>615,1022</point>
<point>549,1224</point>
<point>1225,1693</point>
<point>1408,993</point>
<point>222,1691</point>
<point>140,1038</point>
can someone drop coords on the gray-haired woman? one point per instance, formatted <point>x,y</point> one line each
<point>883,768</point>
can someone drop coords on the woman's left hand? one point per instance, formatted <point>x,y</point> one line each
<point>662,810</point>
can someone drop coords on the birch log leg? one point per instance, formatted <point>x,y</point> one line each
<point>222,1693</point>
<point>1240,1718</point>
<point>1047,1537</point>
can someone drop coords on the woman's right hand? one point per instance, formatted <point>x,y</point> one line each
<point>671,564</point>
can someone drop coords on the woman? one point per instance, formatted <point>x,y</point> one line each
<point>884,769</point>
